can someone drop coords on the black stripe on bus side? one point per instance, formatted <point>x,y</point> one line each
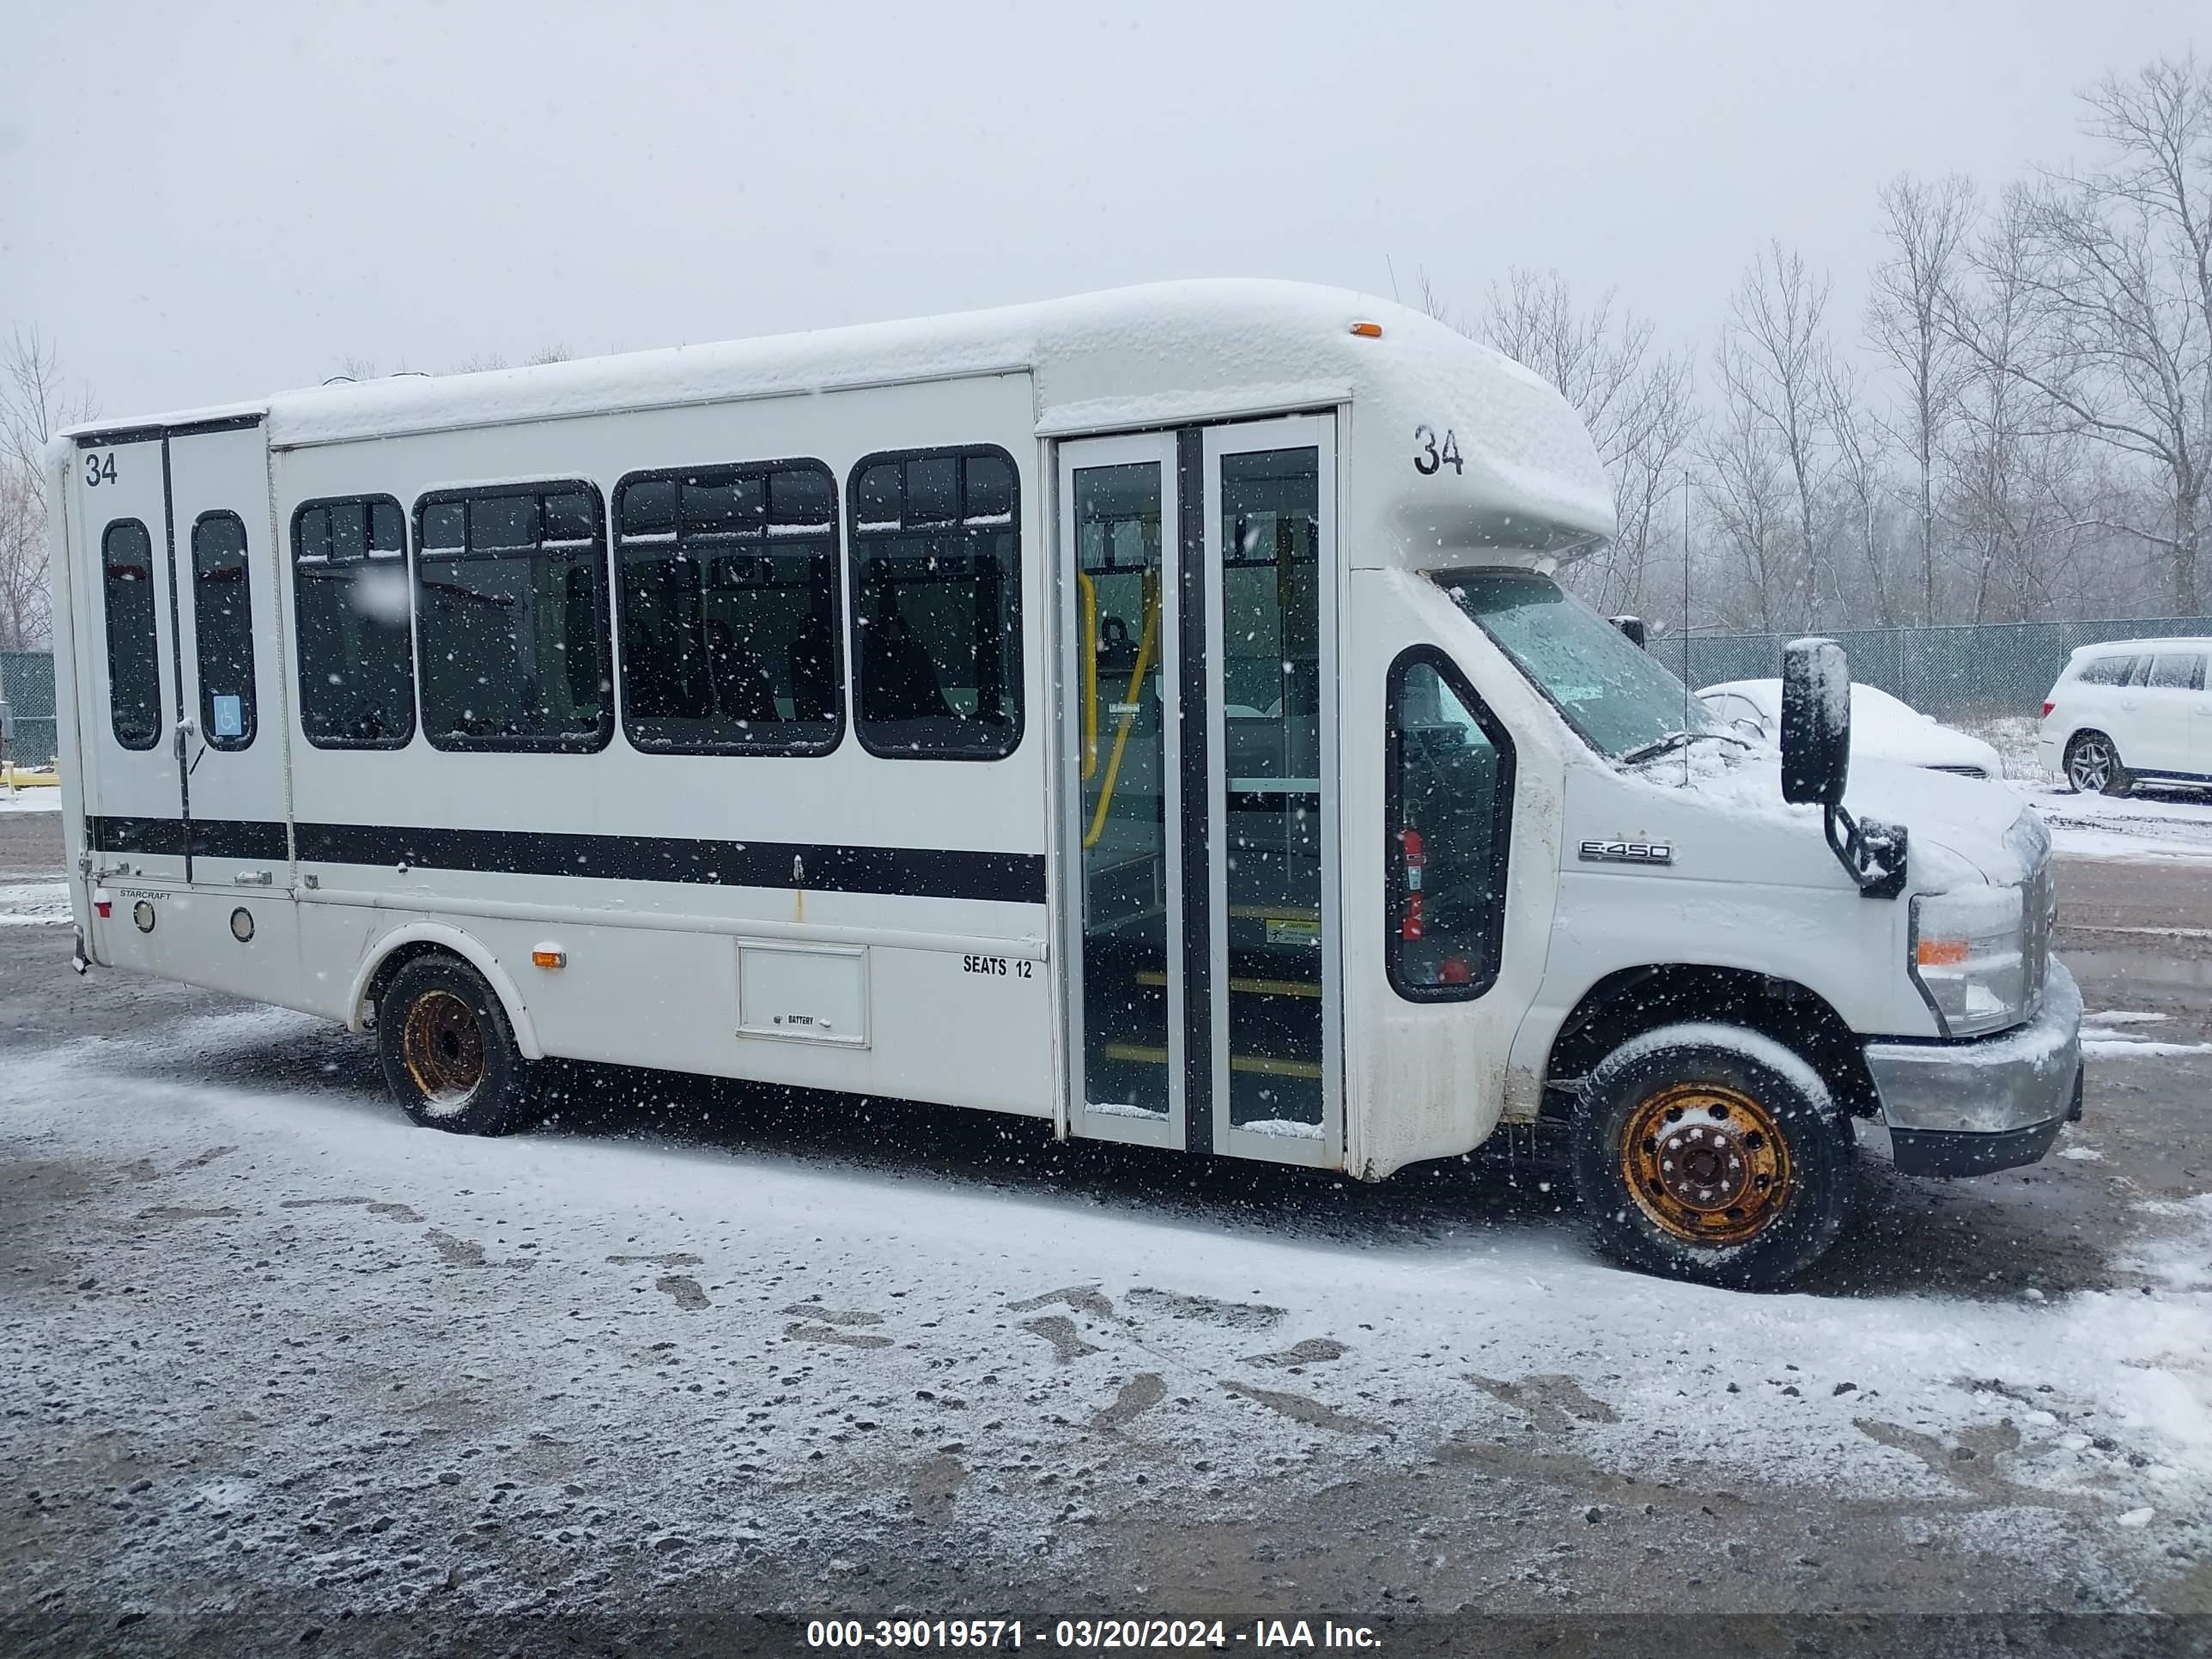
<point>901,872</point>
<point>206,838</point>
<point>906,872</point>
<point>1197,880</point>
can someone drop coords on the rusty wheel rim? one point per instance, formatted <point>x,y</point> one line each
<point>442,1040</point>
<point>1707,1163</point>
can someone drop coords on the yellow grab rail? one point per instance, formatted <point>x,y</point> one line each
<point>1128,714</point>
<point>1087,592</point>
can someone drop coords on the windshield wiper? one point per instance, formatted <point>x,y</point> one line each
<point>1674,740</point>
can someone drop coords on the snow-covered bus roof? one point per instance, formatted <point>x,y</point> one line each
<point>1519,473</point>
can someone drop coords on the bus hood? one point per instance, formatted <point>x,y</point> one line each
<point>1954,822</point>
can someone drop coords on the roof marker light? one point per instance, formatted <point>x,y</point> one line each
<point>1368,330</point>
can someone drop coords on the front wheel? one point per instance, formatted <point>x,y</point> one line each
<point>1713,1153</point>
<point>2093,766</point>
<point>449,1054</point>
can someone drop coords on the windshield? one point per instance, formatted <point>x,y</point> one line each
<point>1614,694</point>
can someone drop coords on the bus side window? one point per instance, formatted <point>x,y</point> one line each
<point>1448,812</point>
<point>937,647</point>
<point>222,628</point>
<point>728,591</point>
<point>510,609</point>
<point>350,601</point>
<point>134,669</point>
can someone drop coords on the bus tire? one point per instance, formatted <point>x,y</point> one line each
<point>448,1049</point>
<point>1713,1153</point>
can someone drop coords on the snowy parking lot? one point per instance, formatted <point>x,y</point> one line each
<point>280,1361</point>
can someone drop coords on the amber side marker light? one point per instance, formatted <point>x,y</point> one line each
<point>548,957</point>
<point>1368,330</point>
<point>1942,953</point>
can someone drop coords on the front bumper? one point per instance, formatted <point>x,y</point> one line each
<point>1986,1103</point>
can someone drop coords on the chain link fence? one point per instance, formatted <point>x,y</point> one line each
<point>1966,675</point>
<point>27,687</point>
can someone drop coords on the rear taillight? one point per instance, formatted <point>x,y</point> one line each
<point>2047,707</point>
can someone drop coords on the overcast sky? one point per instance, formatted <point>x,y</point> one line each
<point>201,203</point>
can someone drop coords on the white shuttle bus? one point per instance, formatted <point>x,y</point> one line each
<point>1155,712</point>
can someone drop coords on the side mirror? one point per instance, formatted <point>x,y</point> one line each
<point>1633,628</point>
<point>1816,722</point>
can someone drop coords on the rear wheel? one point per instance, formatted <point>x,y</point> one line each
<point>449,1054</point>
<point>1713,1153</point>
<point>2093,766</point>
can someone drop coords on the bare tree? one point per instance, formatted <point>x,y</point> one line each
<point>2119,280</point>
<point>36,402</point>
<point>1926,227</point>
<point>1634,399</point>
<point>1866,487</point>
<point>1774,359</point>
<point>1753,579</point>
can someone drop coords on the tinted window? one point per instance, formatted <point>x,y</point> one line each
<point>730,609</point>
<point>349,592</point>
<point>937,651</point>
<point>2106,671</point>
<point>1448,818</point>
<point>223,631</point>
<point>511,618</point>
<point>2178,671</point>
<point>134,665</point>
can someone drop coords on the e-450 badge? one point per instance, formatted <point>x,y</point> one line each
<point>1628,851</point>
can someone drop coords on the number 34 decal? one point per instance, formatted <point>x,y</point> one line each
<point>1433,454</point>
<point>99,469</point>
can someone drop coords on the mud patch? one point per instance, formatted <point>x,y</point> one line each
<point>672,1259</point>
<point>831,1334</point>
<point>833,1316</point>
<point>1137,1395</point>
<point>1083,1298</point>
<point>685,1290</point>
<point>1060,1330</point>
<point>1314,1350</point>
<point>1311,1412</point>
<point>204,1158</point>
<point>1970,1463</point>
<point>1551,1400</point>
<point>1229,1316</point>
<point>457,1252</point>
<point>934,1484</point>
<point>185,1212</point>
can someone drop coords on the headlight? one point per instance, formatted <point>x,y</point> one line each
<point>1969,955</point>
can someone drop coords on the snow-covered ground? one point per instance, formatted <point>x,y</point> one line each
<point>34,904</point>
<point>286,1314</point>
<point>2151,824</point>
<point>43,798</point>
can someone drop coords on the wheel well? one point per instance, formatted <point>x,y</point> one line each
<point>387,970</point>
<point>1634,1000</point>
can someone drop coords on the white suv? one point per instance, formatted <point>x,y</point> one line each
<point>2127,710</point>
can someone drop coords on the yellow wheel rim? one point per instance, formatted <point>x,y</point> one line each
<point>1706,1163</point>
<point>442,1040</point>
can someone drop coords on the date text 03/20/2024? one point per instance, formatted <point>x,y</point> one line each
<point>1088,1634</point>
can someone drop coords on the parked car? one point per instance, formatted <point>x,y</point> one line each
<point>1882,727</point>
<point>2130,710</point>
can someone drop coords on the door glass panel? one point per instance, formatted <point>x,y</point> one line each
<point>1270,687</point>
<point>1122,755</point>
<point>134,673</point>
